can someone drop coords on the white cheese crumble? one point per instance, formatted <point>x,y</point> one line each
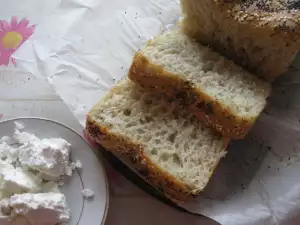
<point>7,140</point>
<point>5,207</point>
<point>8,153</point>
<point>31,171</point>
<point>16,180</point>
<point>87,193</point>
<point>51,186</point>
<point>50,157</point>
<point>52,208</point>
<point>19,126</point>
<point>76,165</point>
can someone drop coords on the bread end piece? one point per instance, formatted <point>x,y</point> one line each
<point>266,43</point>
<point>213,114</point>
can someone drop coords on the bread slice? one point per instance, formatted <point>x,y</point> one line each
<point>163,142</point>
<point>220,93</point>
<point>263,36</point>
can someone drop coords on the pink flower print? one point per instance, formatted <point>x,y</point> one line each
<point>12,36</point>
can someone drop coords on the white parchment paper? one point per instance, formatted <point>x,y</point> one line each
<point>83,47</point>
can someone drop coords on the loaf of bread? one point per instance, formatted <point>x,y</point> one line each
<point>217,91</point>
<point>260,35</point>
<point>162,141</point>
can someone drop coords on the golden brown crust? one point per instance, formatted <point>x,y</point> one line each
<point>208,110</point>
<point>266,14</point>
<point>265,42</point>
<point>132,154</point>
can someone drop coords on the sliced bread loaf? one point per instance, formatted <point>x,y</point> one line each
<point>261,35</point>
<point>220,93</point>
<point>163,142</point>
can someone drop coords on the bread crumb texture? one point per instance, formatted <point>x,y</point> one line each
<point>216,76</point>
<point>172,138</point>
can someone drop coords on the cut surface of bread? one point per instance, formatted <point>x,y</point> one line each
<point>163,142</point>
<point>261,35</point>
<point>220,93</point>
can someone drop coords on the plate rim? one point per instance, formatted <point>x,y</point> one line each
<point>99,157</point>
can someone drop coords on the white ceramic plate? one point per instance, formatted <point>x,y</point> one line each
<point>92,175</point>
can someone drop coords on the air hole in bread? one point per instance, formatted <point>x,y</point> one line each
<point>148,101</point>
<point>176,159</point>
<point>164,157</point>
<point>127,112</point>
<point>186,123</point>
<point>157,141</point>
<point>154,151</point>
<point>148,119</point>
<point>172,137</point>
<point>194,135</point>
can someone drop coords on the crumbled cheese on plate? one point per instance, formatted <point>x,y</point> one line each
<point>41,208</point>
<point>31,171</point>
<point>87,193</point>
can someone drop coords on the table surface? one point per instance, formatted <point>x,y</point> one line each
<point>21,97</point>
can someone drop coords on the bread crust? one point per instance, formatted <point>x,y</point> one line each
<point>133,155</point>
<point>264,42</point>
<point>208,110</point>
